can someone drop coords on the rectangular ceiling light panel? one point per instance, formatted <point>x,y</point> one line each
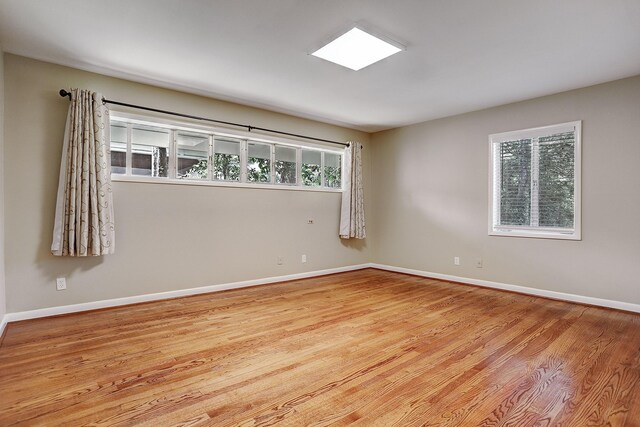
<point>356,49</point>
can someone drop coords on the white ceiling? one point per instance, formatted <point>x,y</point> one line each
<point>462,55</point>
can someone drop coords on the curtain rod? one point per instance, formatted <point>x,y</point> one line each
<point>64,93</point>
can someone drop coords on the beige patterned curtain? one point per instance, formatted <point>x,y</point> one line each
<point>352,211</point>
<point>84,209</point>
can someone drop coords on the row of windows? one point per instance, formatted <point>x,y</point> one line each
<point>146,150</point>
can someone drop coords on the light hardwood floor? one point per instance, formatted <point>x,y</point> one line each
<point>365,348</point>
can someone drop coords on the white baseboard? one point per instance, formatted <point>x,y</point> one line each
<point>3,324</point>
<point>619,305</point>
<point>74,308</point>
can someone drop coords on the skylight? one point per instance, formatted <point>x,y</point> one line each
<point>356,49</point>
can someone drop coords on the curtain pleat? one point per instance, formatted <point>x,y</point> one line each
<point>352,209</point>
<point>84,221</point>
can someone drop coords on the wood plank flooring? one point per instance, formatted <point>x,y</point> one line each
<point>365,348</point>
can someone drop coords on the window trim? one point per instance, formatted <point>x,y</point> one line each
<point>538,232</point>
<point>175,126</point>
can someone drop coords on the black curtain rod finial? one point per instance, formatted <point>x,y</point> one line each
<point>64,93</point>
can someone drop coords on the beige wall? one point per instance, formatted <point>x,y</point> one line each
<point>431,192</point>
<point>426,202</point>
<point>168,236</point>
<point>3,305</point>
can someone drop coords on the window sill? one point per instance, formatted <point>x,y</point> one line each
<point>535,234</point>
<point>168,181</point>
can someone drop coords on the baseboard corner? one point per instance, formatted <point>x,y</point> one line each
<point>544,293</point>
<point>136,299</point>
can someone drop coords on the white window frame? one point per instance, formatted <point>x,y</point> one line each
<point>176,125</point>
<point>296,149</point>
<point>533,231</point>
<point>173,157</point>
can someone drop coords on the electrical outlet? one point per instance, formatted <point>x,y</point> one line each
<point>310,221</point>
<point>61,284</point>
<point>456,260</point>
<point>280,260</point>
<point>478,262</point>
<point>304,259</point>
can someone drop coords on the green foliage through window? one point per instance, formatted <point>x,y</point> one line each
<point>198,171</point>
<point>258,170</point>
<point>332,177</point>
<point>311,175</point>
<point>285,172</point>
<point>226,167</point>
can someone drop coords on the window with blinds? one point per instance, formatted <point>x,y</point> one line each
<point>535,182</point>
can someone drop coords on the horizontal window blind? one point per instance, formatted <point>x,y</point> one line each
<point>556,180</point>
<point>534,179</point>
<point>515,182</point>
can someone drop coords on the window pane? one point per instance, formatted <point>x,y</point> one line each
<point>556,180</point>
<point>311,163</point>
<point>332,170</point>
<point>193,155</point>
<point>118,147</point>
<point>285,165</point>
<point>226,159</point>
<point>515,182</point>
<point>149,151</point>
<point>259,162</point>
